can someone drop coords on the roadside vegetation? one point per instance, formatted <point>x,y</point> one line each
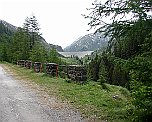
<point>107,102</point>
<point>125,62</point>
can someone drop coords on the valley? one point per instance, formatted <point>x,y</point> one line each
<point>73,54</point>
<point>105,75</point>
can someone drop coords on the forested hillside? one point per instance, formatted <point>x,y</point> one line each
<point>127,61</point>
<point>17,43</point>
<point>5,39</point>
<point>25,43</point>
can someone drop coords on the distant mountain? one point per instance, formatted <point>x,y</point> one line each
<point>57,47</point>
<point>50,46</point>
<point>90,42</point>
<point>9,29</point>
<point>8,26</point>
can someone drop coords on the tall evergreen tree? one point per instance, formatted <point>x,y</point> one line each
<point>20,46</point>
<point>31,28</point>
<point>93,69</point>
<point>38,53</point>
<point>53,56</point>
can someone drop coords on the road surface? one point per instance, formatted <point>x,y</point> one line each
<point>20,104</point>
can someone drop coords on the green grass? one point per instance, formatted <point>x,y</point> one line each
<point>90,99</point>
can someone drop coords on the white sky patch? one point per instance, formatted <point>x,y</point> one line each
<point>60,21</point>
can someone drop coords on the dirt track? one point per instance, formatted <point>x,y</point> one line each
<point>21,104</point>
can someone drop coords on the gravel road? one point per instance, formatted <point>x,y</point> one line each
<point>20,104</point>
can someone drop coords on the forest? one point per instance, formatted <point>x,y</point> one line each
<point>127,60</point>
<point>25,43</point>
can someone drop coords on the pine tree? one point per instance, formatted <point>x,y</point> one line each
<point>38,53</point>
<point>53,56</point>
<point>19,46</point>
<point>31,28</point>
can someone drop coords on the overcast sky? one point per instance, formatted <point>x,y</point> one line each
<point>60,21</point>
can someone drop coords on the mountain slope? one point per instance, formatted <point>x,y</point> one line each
<point>90,42</point>
<point>9,29</point>
<point>7,25</point>
<point>6,30</point>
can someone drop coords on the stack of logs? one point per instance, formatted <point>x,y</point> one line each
<point>21,63</point>
<point>24,63</point>
<point>77,73</point>
<point>52,69</point>
<point>28,64</point>
<point>37,67</point>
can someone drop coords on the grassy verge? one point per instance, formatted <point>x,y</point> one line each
<point>90,99</point>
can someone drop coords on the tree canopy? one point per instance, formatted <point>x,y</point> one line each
<point>127,59</point>
<point>116,17</point>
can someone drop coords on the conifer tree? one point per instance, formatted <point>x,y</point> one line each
<point>38,53</point>
<point>53,56</point>
<point>19,46</point>
<point>31,28</point>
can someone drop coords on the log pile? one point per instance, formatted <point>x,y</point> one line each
<point>77,73</point>
<point>52,69</point>
<point>21,63</point>
<point>37,67</point>
<point>28,64</point>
